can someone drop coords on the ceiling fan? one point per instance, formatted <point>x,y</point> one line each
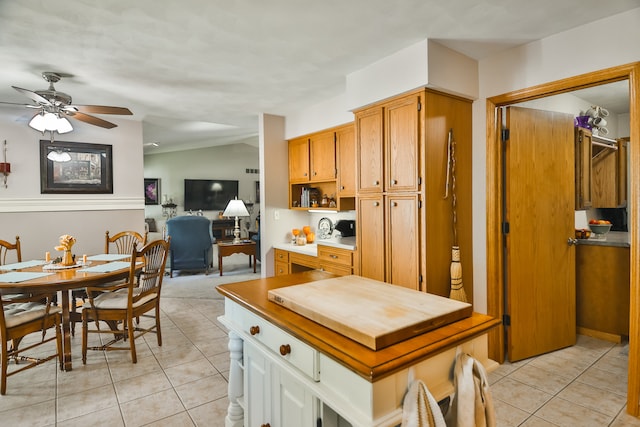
<point>54,107</point>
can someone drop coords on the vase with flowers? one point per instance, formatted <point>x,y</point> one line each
<point>66,243</point>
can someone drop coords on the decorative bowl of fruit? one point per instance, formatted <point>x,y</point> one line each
<point>600,226</point>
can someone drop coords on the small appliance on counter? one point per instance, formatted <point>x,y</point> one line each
<point>346,227</point>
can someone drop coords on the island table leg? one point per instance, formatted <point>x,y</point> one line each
<point>235,413</point>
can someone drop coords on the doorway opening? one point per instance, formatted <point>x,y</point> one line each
<point>495,255</point>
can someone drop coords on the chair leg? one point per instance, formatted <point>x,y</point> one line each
<point>132,341</point>
<point>5,361</point>
<point>59,342</point>
<point>85,337</point>
<point>158,332</point>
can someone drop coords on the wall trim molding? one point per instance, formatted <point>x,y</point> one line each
<point>61,204</point>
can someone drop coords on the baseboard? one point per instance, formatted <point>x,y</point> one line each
<point>606,336</point>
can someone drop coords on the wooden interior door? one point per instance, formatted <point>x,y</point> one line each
<point>539,208</point>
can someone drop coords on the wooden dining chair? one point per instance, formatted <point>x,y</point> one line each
<point>120,305</point>
<point>7,247</point>
<point>23,316</point>
<point>124,242</point>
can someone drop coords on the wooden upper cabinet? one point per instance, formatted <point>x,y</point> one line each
<point>369,150</point>
<point>322,149</point>
<point>299,160</point>
<point>583,168</point>
<point>346,160</point>
<point>402,144</point>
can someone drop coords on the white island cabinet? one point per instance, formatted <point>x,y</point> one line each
<point>288,371</point>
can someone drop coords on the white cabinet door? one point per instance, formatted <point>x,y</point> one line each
<point>257,393</point>
<point>294,406</point>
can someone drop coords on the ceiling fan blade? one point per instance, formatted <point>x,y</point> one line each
<point>30,94</point>
<point>22,105</point>
<point>92,120</point>
<point>101,109</point>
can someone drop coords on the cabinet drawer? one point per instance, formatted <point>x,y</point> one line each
<point>297,353</point>
<point>282,268</point>
<point>335,255</point>
<point>340,270</point>
<point>281,255</point>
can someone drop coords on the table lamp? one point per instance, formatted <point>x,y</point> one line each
<point>236,208</point>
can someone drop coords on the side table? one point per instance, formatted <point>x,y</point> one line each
<point>244,247</point>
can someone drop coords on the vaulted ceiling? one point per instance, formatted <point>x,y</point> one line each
<point>198,73</point>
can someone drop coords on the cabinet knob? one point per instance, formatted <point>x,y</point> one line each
<point>342,187</point>
<point>305,174</point>
<point>334,256</point>
<point>375,203</point>
<point>376,182</point>
<point>280,271</point>
<point>394,182</point>
<point>394,204</point>
<point>315,173</point>
<point>285,349</point>
<point>254,330</point>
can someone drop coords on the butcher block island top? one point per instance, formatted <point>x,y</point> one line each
<point>373,313</point>
<point>368,363</point>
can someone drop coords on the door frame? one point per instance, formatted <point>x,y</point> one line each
<point>494,194</point>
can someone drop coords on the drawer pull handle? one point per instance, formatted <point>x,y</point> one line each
<point>254,330</point>
<point>265,425</point>
<point>334,256</point>
<point>285,349</point>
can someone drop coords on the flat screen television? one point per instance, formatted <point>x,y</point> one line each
<point>208,194</point>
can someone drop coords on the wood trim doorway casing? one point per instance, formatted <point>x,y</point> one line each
<point>495,259</point>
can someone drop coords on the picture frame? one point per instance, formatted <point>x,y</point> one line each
<point>75,168</point>
<point>152,191</point>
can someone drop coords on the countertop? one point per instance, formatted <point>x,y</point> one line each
<point>348,243</point>
<point>612,238</point>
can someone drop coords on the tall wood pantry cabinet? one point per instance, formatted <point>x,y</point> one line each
<point>405,226</point>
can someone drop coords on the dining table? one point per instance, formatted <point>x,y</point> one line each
<point>42,277</point>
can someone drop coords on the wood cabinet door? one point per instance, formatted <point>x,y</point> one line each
<point>402,144</point>
<point>583,168</point>
<point>346,159</point>
<point>370,236</point>
<point>369,166</point>
<point>604,179</point>
<point>322,148</point>
<point>299,160</point>
<point>403,240</point>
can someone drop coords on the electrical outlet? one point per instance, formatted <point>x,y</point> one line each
<point>276,214</point>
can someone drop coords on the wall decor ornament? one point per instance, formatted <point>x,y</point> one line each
<point>151,191</point>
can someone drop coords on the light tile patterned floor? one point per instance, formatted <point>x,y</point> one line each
<point>184,382</point>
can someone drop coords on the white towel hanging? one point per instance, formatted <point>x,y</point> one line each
<point>420,408</point>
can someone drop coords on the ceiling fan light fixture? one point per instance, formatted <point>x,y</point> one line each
<point>43,122</point>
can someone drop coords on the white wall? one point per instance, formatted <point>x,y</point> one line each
<point>226,162</point>
<point>39,219</point>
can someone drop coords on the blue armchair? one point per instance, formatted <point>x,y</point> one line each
<point>191,243</point>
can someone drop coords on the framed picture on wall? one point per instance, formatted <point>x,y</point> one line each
<point>151,191</point>
<point>75,167</point>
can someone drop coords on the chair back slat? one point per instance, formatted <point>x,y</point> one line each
<point>7,247</point>
<point>125,241</point>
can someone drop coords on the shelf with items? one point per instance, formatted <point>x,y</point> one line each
<point>303,196</point>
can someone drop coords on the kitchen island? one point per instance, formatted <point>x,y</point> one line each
<point>287,370</point>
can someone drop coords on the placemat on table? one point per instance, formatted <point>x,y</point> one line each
<point>21,276</point>
<point>108,257</point>
<point>105,268</point>
<point>23,264</point>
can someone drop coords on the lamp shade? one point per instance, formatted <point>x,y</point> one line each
<point>235,208</point>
